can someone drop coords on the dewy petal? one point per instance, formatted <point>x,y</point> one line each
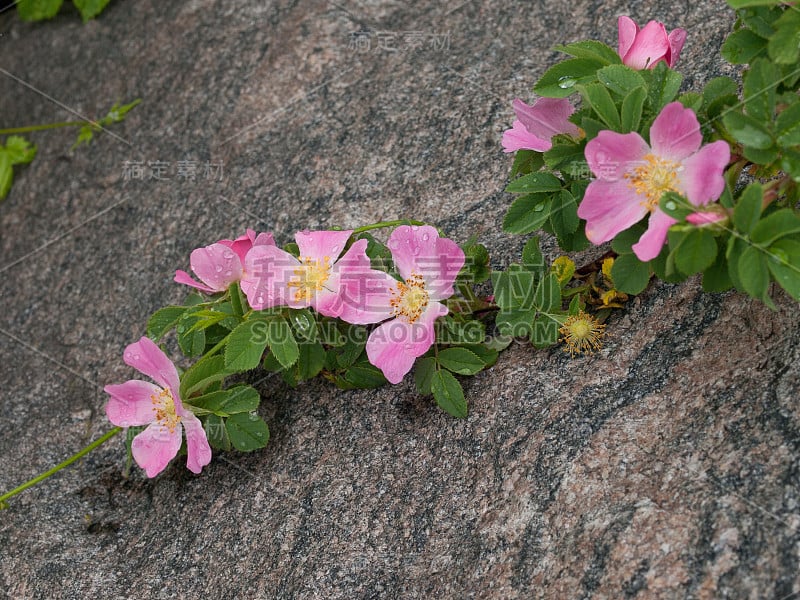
<point>366,296</point>
<point>395,345</point>
<point>242,245</point>
<point>319,244</point>
<point>186,279</point>
<point>131,403</point>
<point>420,250</point>
<point>610,155</point>
<point>155,447</point>
<point>676,38</point>
<point>216,265</point>
<point>650,244</point>
<point>609,207</point>
<point>267,271</point>
<point>198,450</point>
<point>650,46</point>
<point>519,138</point>
<point>627,29</point>
<point>701,180</point>
<point>675,133</point>
<point>547,117</point>
<point>148,358</point>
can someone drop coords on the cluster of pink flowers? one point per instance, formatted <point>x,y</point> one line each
<point>335,280</point>
<point>630,174</point>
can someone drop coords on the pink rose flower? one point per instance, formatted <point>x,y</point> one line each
<point>632,176</point>
<point>536,125</point>
<point>643,49</point>
<point>274,277</point>
<point>138,402</point>
<point>221,263</point>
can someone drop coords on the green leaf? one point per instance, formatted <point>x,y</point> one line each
<point>564,214</point>
<point>743,46</point>
<point>748,130</point>
<point>716,278</point>
<point>759,90</point>
<point>38,10</point>
<point>89,9</point>
<point>534,183</point>
<point>304,324</point>
<point>516,322</point>
<point>548,294</point>
<point>235,400</point>
<point>514,287</point>
<point>784,45</point>
<point>311,360</point>
<point>525,161</point>
<point>448,394</point>
<point>784,263</point>
<point>247,431</point>
<point>736,4</point>
<point>364,375</point>
<point>6,175</point>
<point>282,342</point>
<point>486,354</point>
<point>424,370</point>
<point>719,93</point>
<point>20,151</point>
<point>592,127</point>
<point>527,213</point>
<point>476,265</point>
<point>753,272</point>
<point>461,361</point>
<point>620,79</point>
<point>545,332</point>
<point>191,342</point>
<point>624,240</point>
<point>532,258</point>
<point>663,86</point>
<point>559,81</point>
<point>246,345</point>
<point>596,95</point>
<point>631,114</point>
<point>787,126</point>
<point>205,371</point>
<point>691,100</point>
<point>216,432</point>
<point>592,50</point>
<point>748,209</point>
<point>565,157</point>
<point>630,274</point>
<point>777,225</point>
<point>696,252</point>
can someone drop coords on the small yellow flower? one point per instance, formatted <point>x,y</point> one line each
<point>564,268</point>
<point>582,333</point>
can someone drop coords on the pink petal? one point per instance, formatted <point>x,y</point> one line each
<point>155,447</point>
<point>650,46</point>
<point>701,179</point>
<point>650,244</point>
<point>519,138</point>
<point>148,358</point>
<point>547,117</point>
<point>186,279</point>
<point>351,266</point>
<point>319,244</point>
<point>395,345</point>
<point>627,29</point>
<point>267,271</point>
<point>705,218</point>
<point>420,250</point>
<point>365,296</point>
<point>242,245</point>
<point>676,38</point>
<point>609,207</point>
<point>197,448</point>
<point>675,134</point>
<point>216,265</point>
<point>131,403</point>
<point>610,155</point>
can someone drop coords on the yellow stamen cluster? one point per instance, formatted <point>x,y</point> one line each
<point>582,334</point>
<point>310,277</point>
<point>409,299</point>
<point>164,407</point>
<point>652,179</point>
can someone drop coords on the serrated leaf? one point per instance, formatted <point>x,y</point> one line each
<point>311,360</point>
<point>247,431</point>
<point>630,274</point>
<point>246,345</point>
<point>592,50</point>
<point>527,213</point>
<point>89,9</point>
<point>38,10</point>
<point>545,332</point>
<point>216,432</point>
<point>19,150</point>
<point>534,183</point>
<point>596,95</point>
<point>461,361</point>
<point>787,126</point>
<point>424,370</point>
<point>631,114</point>
<point>742,46</point>
<point>564,214</point>
<point>777,225</point>
<point>691,100</point>
<point>759,90</point>
<point>784,44</point>
<point>532,258</point>
<point>448,394</point>
<point>784,263</point>
<point>620,79</point>
<point>525,161</point>
<point>748,209</point>
<point>559,81</point>
<point>548,294</point>
<point>364,375</point>
<point>716,278</point>
<point>663,86</point>
<point>718,88</point>
<point>282,342</point>
<point>753,272</point>
<point>235,400</point>
<point>696,252</point>
<point>748,130</point>
<point>205,371</point>
<point>624,240</point>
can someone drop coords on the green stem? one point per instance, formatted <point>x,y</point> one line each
<point>31,128</point>
<point>383,224</point>
<point>98,442</point>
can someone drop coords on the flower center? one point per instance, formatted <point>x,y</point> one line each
<point>409,299</point>
<point>310,277</point>
<point>652,179</point>
<point>164,407</point>
<point>582,334</point>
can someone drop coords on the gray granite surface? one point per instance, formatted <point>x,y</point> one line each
<point>666,466</point>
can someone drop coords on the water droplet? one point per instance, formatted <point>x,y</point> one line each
<point>227,255</point>
<point>670,205</point>
<point>335,249</point>
<point>566,82</point>
<point>218,268</point>
<point>136,357</point>
<point>538,208</point>
<point>228,273</point>
<point>414,227</point>
<point>425,237</point>
<point>180,328</point>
